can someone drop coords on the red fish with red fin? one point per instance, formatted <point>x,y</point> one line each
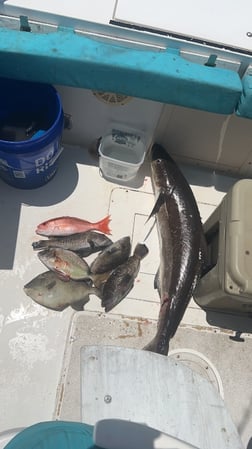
<point>62,226</point>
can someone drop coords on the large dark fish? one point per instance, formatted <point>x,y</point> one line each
<point>49,291</point>
<point>85,243</point>
<point>180,239</point>
<point>122,279</point>
<point>112,256</point>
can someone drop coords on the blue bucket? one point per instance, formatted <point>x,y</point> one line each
<point>31,125</point>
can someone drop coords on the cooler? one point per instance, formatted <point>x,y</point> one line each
<point>227,286</point>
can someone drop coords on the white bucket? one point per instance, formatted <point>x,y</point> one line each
<point>121,154</point>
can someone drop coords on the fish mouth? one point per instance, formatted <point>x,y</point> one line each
<point>158,152</point>
<point>41,231</point>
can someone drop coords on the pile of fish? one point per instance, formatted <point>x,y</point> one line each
<point>111,275</point>
<point>70,280</point>
<point>182,245</point>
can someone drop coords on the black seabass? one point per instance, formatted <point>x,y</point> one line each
<point>180,239</point>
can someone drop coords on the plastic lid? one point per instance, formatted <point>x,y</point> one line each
<point>54,434</point>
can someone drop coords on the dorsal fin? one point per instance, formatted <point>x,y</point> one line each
<point>159,202</point>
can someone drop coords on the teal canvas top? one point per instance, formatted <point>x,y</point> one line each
<point>54,434</point>
<point>66,58</point>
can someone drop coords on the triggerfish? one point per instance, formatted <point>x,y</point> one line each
<point>112,256</point>
<point>180,235</point>
<point>49,291</point>
<point>121,280</point>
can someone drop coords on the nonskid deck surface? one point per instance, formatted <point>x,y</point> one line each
<point>40,348</point>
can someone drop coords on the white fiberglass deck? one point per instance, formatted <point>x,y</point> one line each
<point>39,348</point>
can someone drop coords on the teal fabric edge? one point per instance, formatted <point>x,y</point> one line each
<point>54,434</point>
<point>244,108</point>
<point>66,58</point>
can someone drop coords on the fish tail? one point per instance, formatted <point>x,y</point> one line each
<point>108,306</point>
<point>97,291</point>
<point>79,305</point>
<point>154,346</point>
<point>141,250</point>
<point>41,244</point>
<point>103,225</point>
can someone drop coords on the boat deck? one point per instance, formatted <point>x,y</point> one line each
<point>40,362</point>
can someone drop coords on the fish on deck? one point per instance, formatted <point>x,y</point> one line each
<point>181,238</point>
<point>84,243</point>
<point>62,226</point>
<point>112,256</point>
<point>51,292</point>
<point>122,279</point>
<point>66,264</point>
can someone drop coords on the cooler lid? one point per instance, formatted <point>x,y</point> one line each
<point>238,254</point>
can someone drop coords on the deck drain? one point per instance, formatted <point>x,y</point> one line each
<point>198,363</point>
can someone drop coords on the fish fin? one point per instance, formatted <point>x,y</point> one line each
<point>100,279</point>
<point>196,280</point>
<point>159,202</point>
<point>154,346</point>
<point>56,309</point>
<point>204,255</point>
<point>51,285</point>
<point>157,281</point>
<point>141,250</point>
<point>150,230</point>
<point>109,304</point>
<point>54,237</point>
<point>103,225</point>
<point>97,291</point>
<point>62,276</point>
<point>91,243</point>
<point>79,305</point>
<point>83,252</point>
